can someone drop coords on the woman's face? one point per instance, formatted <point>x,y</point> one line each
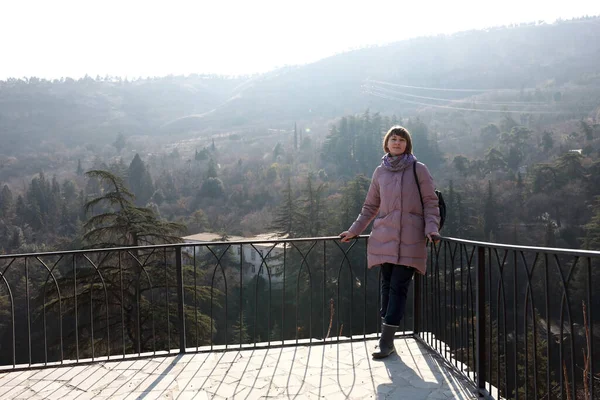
<point>396,145</point>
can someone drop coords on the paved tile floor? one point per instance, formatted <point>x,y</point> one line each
<point>330,372</point>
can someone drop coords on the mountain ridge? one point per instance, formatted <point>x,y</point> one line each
<point>543,57</point>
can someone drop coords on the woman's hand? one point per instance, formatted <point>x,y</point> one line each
<point>346,236</point>
<point>434,237</point>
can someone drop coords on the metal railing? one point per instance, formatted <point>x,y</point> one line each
<point>519,322</point>
<point>103,304</point>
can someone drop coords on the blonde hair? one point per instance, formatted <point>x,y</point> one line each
<point>401,131</point>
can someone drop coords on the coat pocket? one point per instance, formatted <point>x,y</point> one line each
<point>413,229</point>
<point>383,230</point>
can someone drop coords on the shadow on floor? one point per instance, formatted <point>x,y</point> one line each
<point>416,373</point>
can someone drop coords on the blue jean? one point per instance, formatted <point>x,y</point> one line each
<point>395,281</point>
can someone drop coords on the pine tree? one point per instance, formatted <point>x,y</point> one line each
<point>17,239</point>
<point>240,331</point>
<point>547,141</point>
<point>459,210</point>
<point>376,138</point>
<point>495,160</point>
<point>451,219</point>
<point>202,155</point>
<point>591,240</point>
<point>364,144</point>
<point>40,204</point>
<point>79,168</point>
<point>287,215</point>
<point>587,130</point>
<point>311,212</point>
<point>69,191</point>
<point>81,200</point>
<point>277,151</point>
<point>120,142</point>
<point>353,197</point>
<point>295,137</point>
<point>66,225</point>
<point>54,202</point>
<point>211,172</point>
<point>123,274</point>
<point>140,181</point>
<point>490,131</point>
<point>211,187</point>
<point>124,224</point>
<point>6,203</point>
<point>119,168</point>
<point>422,146</point>
<point>21,211</point>
<point>490,213</point>
<point>462,165</point>
<point>570,167</point>
<point>520,197</point>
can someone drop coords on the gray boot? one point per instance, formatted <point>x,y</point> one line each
<point>386,342</point>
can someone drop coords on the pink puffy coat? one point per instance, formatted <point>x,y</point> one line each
<point>399,231</point>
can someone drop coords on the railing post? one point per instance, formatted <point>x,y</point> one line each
<point>417,305</point>
<point>480,364</point>
<point>180,300</point>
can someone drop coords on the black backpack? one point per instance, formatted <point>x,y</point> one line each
<point>438,194</point>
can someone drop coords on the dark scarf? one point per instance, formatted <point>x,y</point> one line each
<point>398,163</point>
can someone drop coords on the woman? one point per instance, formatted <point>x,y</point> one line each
<point>398,238</point>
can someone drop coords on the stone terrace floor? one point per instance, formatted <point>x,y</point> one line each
<point>330,372</point>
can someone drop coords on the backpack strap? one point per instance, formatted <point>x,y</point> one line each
<point>418,186</point>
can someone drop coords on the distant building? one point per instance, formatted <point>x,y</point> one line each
<point>523,170</point>
<point>252,256</point>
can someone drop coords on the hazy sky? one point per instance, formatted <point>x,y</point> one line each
<point>134,38</point>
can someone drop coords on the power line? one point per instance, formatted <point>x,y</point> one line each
<point>381,95</point>
<point>384,96</point>
<point>439,89</point>
<point>513,103</point>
